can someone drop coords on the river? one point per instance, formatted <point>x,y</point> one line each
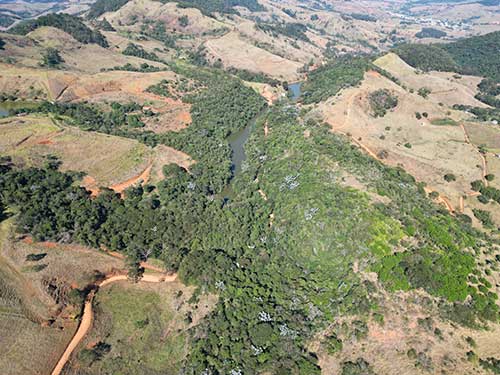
<point>237,140</point>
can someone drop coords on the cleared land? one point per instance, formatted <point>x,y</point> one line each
<point>145,325</point>
<point>425,150</point>
<point>108,160</point>
<point>35,308</point>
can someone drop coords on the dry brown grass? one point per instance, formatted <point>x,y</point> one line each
<point>444,87</point>
<point>236,52</point>
<point>33,326</point>
<point>435,150</point>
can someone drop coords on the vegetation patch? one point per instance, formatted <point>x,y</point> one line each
<point>71,24</point>
<point>444,122</point>
<point>328,80</point>
<point>381,101</point>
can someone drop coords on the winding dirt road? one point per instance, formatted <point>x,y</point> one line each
<point>88,313</point>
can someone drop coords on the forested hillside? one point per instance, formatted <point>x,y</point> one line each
<point>476,56</point>
<point>70,24</point>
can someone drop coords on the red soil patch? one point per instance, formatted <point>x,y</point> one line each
<point>28,240</point>
<point>143,176</point>
<point>90,184</point>
<point>45,142</point>
<point>49,245</point>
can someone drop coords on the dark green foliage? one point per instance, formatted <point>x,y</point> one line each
<point>360,367</point>
<point>35,257</point>
<point>290,12</point>
<point>278,284</point>
<point>70,24</point>
<point>102,6</point>
<point>292,30</point>
<point>89,356</point>
<point>489,177</point>
<point>2,44</point>
<point>491,364</point>
<point>137,51</point>
<point>476,55</point>
<point>104,25</point>
<point>333,344</point>
<point>158,31</point>
<point>328,80</point>
<point>427,57</point>
<point>208,7</point>
<point>117,121</point>
<point>363,17</point>
<point>449,177</point>
<point>184,21</point>
<point>429,32</point>
<point>424,92</point>
<point>6,21</point>
<point>249,76</point>
<point>484,217</point>
<point>143,68</point>
<point>381,101</point>
<point>51,58</point>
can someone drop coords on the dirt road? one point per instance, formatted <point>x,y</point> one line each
<point>88,314</point>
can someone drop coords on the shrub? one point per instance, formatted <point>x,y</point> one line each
<point>51,58</point>
<point>381,101</point>
<point>449,177</point>
<point>484,217</point>
<point>424,92</point>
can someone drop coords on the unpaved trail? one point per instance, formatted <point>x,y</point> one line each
<point>88,314</point>
<point>143,176</point>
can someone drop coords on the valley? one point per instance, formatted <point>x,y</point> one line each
<point>249,187</point>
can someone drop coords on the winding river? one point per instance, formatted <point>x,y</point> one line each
<point>237,140</point>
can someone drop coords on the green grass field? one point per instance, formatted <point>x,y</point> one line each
<point>144,332</point>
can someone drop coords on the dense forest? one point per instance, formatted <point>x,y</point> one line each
<point>102,6</point>
<point>65,22</point>
<point>328,80</point>
<point>208,7</point>
<point>476,55</point>
<point>282,266</point>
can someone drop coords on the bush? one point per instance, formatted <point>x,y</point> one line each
<point>449,177</point>
<point>51,58</point>
<point>429,32</point>
<point>484,217</point>
<point>68,23</point>
<point>424,92</point>
<point>381,101</point>
<point>360,367</point>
